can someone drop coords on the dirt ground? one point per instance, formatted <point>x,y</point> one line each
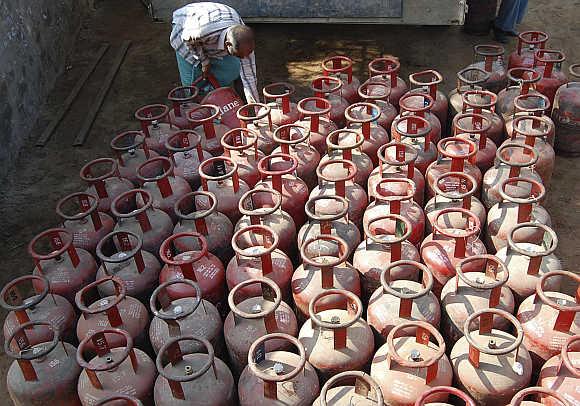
<point>284,52</point>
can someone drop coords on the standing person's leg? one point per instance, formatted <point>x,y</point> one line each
<point>507,15</point>
<point>187,72</point>
<point>522,8</point>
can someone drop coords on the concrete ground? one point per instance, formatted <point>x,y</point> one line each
<point>284,52</point>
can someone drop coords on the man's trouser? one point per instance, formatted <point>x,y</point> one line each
<point>511,13</point>
<point>226,70</point>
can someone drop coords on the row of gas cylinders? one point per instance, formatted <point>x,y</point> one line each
<point>316,232</point>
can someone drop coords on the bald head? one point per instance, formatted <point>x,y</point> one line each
<point>240,41</point>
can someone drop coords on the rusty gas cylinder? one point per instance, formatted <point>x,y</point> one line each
<point>186,154</point>
<point>431,397</point>
<point>528,43</point>
<point>216,227</point>
<point>540,396</point>
<point>337,339</point>
<point>131,151</point>
<point>400,298</point>
<point>81,218</point>
<point>45,371</point>
<point>382,246</point>
<point>156,125</point>
<point>56,258</point>
<point>414,131</point>
<point>490,58</point>
<point>346,144</point>
<point>116,368</point>
<point>278,96</point>
<point>341,67</point>
<point>182,99</point>
<point>483,102</point>
<point>118,310</point>
<point>521,81</point>
<point>186,315</point>
<point>378,94</point>
<point>22,308</point>
<point>566,114</point>
<point>427,82</point>
<point>119,400</point>
<point>256,117</point>
<point>331,89</point>
<point>562,372</point>
<point>294,140</point>
<point>421,105</point>
<point>363,117</point>
<point>205,120</point>
<point>102,177</point>
<point>121,254</point>
<point>410,363</point>
<point>277,377</point>
<point>480,289</point>
<point>252,317</point>
<point>360,389</point>
<point>468,79</point>
<point>315,115</point>
<point>386,70</point>
<point>548,63</point>
<point>474,127</point>
<point>151,224</point>
<point>532,104</point>
<point>529,257</point>
<point>241,145</point>
<point>549,318</point>
<point>491,365</point>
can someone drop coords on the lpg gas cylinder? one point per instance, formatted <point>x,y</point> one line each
<point>252,317</point>
<point>219,175</point>
<point>468,292</point>
<point>205,120</point>
<point>116,368</point>
<point>241,145</point>
<point>42,372</point>
<point>468,79</point>
<point>410,363</point>
<point>156,125</point>
<point>562,372</point>
<point>102,176</point>
<point>483,102</point>
<point>81,218</point>
<point>566,114</point>
<point>337,339</point>
<point>187,315</point>
<point>528,43</point>
<point>378,94</point>
<point>521,81</point>
<point>447,245</point>
<point>382,246</point>
<point>400,298</point>
<point>256,117</point>
<point>151,224</point>
<point>386,70</point>
<point>341,67</point>
<point>331,89</point>
<point>427,82</point>
<point>22,308</point>
<point>279,98</point>
<point>532,104</point>
<point>548,63</point>
<point>415,131</point>
<point>194,263</point>
<point>118,310</point>
<point>227,101</point>
<point>56,258</point>
<point>315,115</point>
<point>323,270</point>
<point>131,151</point>
<point>474,127</point>
<point>277,377</point>
<point>186,153</point>
<point>421,105</point>
<point>113,399</point>
<point>361,390</point>
<point>121,255</point>
<point>502,217</point>
<point>490,58</point>
<point>363,117</point>
<point>182,99</point>
<point>216,227</point>
<point>190,377</point>
<point>491,365</point>
<point>549,318</point>
<point>541,396</point>
<point>529,254</point>
<point>432,394</point>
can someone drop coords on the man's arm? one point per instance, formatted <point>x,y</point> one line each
<point>249,78</point>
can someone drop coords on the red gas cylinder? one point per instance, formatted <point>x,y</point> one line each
<point>228,103</point>
<point>56,258</point>
<point>490,58</point>
<point>541,396</point>
<point>114,399</point>
<point>294,139</point>
<point>131,151</point>
<point>82,219</point>
<point>410,364</point>
<point>427,82</point>
<point>395,196</point>
<point>314,113</point>
<point>528,43</point>
<point>121,255</point>
<point>483,102</point>
<point>102,177</point>
<point>399,298</point>
<point>252,317</point>
<point>41,372</point>
<point>194,263</point>
<point>214,226</point>
<point>257,118</point>
<point>321,272</point>
<point>468,79</point>
<point>118,310</point>
<point>415,131</point>
<point>548,63</point>
<point>468,292</point>
<point>116,368</point>
<point>346,144</point>
<point>219,175</point>
<point>335,337</point>
<point>156,125</point>
<point>443,249</point>
<point>151,224</point>
<point>381,247</point>
<point>188,377</point>
<point>531,104</point>
<point>565,113</point>
<point>562,372</point>
<point>277,377</point>
<point>456,154</point>
<point>341,67</point>
<point>475,127</point>
<point>361,390</point>
<point>363,117</point>
<point>386,70</point>
<point>433,394</point>
<point>491,365</point>
<point>378,94</point>
<point>186,153</point>
<point>278,96</point>
<point>331,89</point>
<point>549,318</point>
<point>421,105</point>
<point>521,81</point>
<point>277,172</point>
<point>23,308</point>
<point>241,145</point>
<point>206,121</point>
<point>189,314</point>
<point>182,99</point>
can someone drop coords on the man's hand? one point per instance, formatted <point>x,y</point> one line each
<point>205,71</point>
